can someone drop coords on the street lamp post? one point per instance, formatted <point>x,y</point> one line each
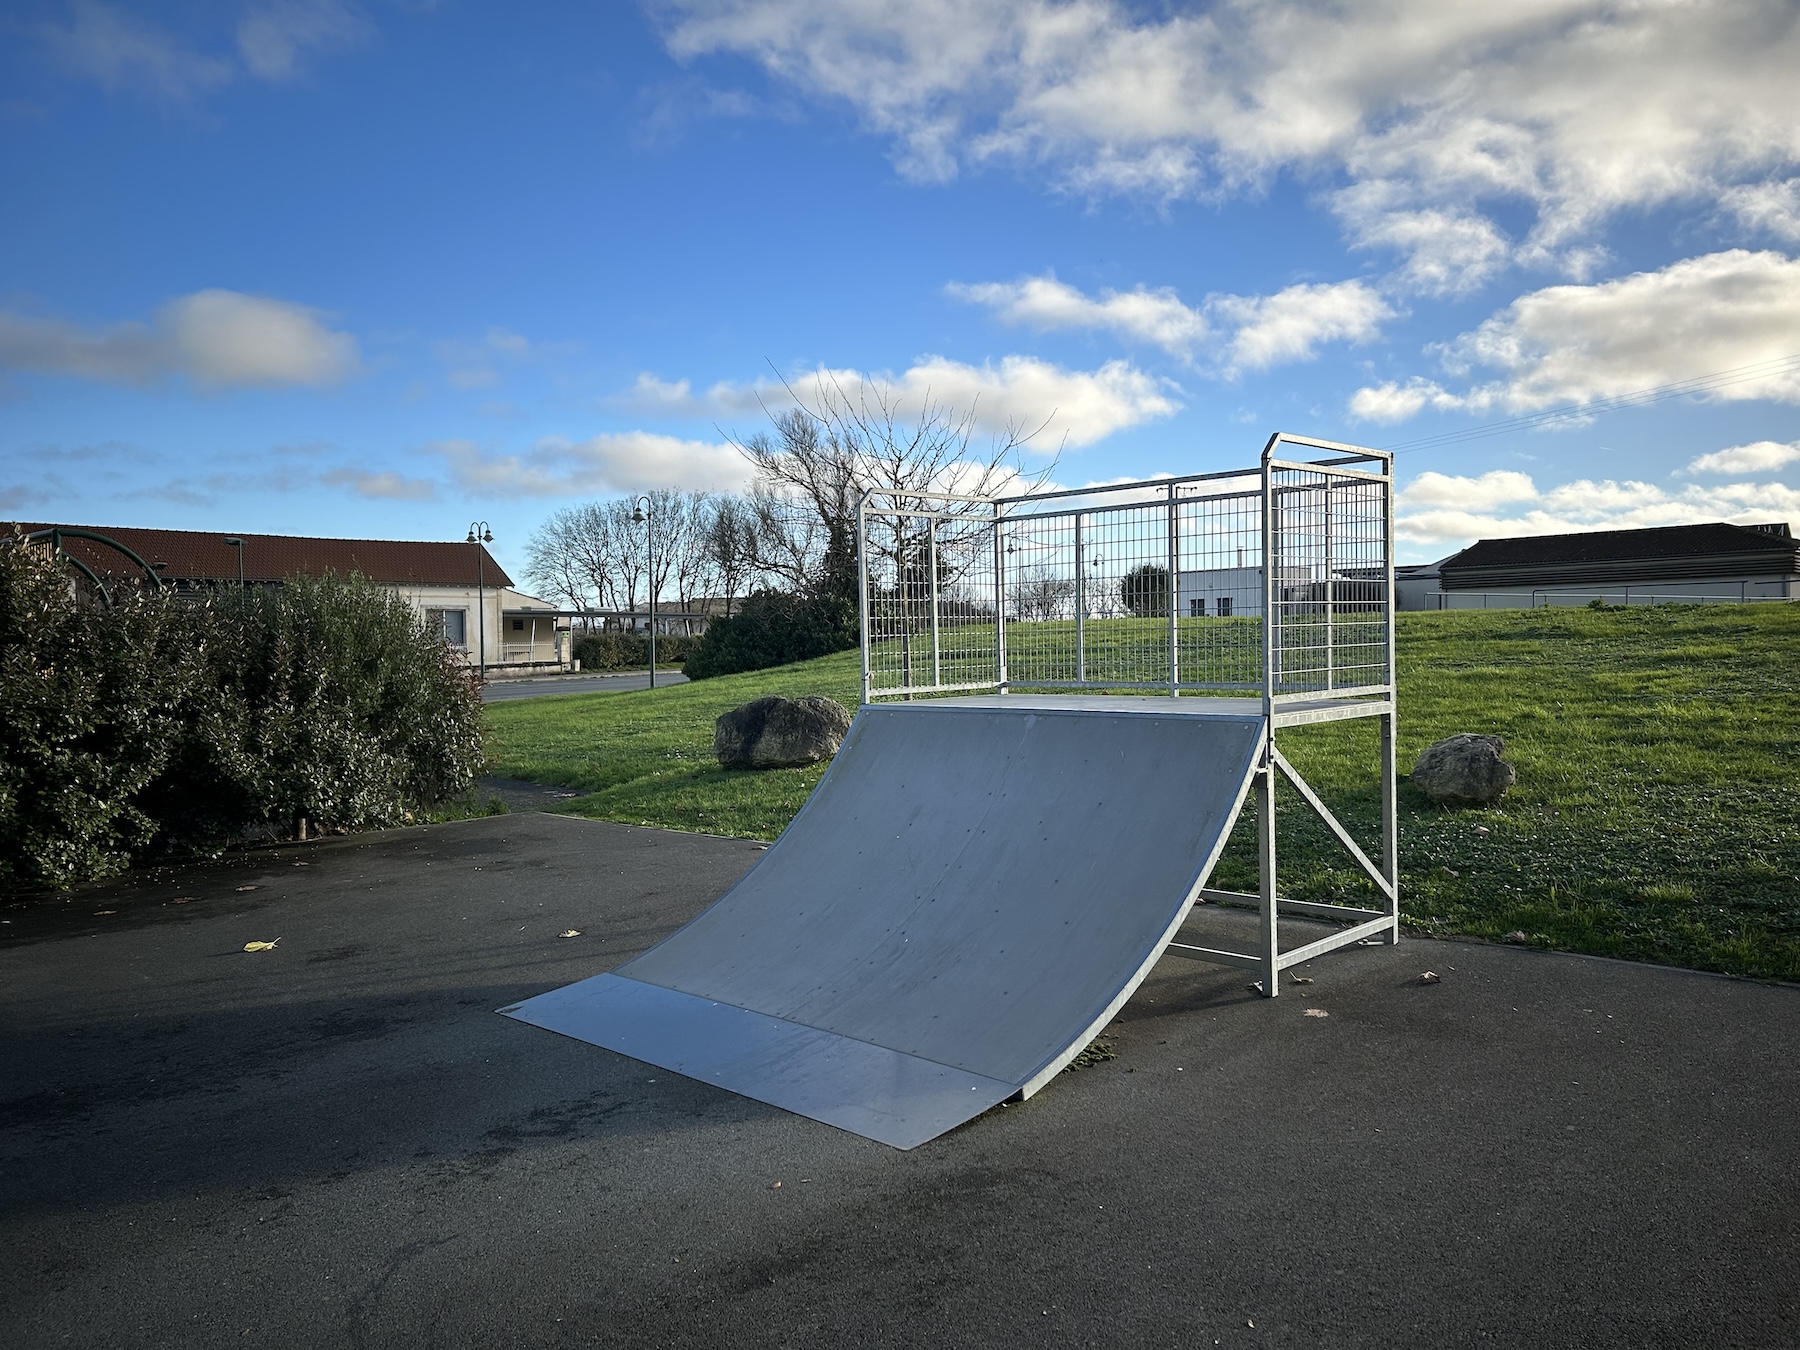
<point>238,544</point>
<point>641,515</point>
<point>480,534</point>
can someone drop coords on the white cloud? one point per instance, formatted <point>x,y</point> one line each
<point>629,461</point>
<point>273,38</point>
<point>1563,106</point>
<point>1392,402</point>
<point>1772,207</point>
<point>1757,457</point>
<point>1441,510</point>
<point>214,337</point>
<point>472,364</point>
<point>1044,303</point>
<point>1494,488</point>
<point>225,337</point>
<point>1447,251</point>
<point>1287,326</point>
<point>386,485</point>
<point>1250,332</point>
<point>1576,344</point>
<point>119,51</point>
<point>1022,393</point>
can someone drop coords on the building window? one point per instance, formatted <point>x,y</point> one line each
<point>1197,608</point>
<point>1224,606</point>
<point>518,625</point>
<point>452,624</point>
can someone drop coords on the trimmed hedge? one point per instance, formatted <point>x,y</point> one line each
<point>613,650</point>
<point>774,628</point>
<point>162,726</point>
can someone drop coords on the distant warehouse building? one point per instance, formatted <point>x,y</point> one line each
<point>1676,563</point>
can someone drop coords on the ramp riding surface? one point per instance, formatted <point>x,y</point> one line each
<point>972,892</point>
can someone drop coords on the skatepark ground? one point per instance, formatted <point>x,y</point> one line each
<point>338,1142</point>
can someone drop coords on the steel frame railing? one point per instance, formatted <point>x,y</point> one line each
<point>1286,574</point>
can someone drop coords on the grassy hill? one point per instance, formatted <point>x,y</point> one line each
<point>1658,751</point>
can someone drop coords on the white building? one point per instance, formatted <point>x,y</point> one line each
<point>466,595</point>
<point>1227,592</point>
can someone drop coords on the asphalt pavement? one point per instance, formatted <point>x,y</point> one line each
<point>497,691</point>
<point>338,1142</point>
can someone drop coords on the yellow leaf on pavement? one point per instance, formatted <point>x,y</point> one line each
<point>260,946</point>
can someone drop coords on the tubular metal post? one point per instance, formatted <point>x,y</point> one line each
<point>1390,724</point>
<point>1390,822</point>
<point>862,587</point>
<point>1269,941</point>
<point>1174,594</point>
<point>931,561</point>
<point>1330,595</point>
<point>1080,605</point>
<point>999,598</point>
<point>1268,946</point>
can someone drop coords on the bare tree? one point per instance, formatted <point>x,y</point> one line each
<point>731,546</point>
<point>553,563</point>
<point>591,555</point>
<point>1041,593</point>
<point>828,450</point>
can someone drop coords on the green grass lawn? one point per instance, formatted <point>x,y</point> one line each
<point>1658,751</point>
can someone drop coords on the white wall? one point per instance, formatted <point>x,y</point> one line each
<point>1729,590</point>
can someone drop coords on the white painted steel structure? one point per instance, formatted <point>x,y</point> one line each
<point>1027,807</point>
<point>1071,592</point>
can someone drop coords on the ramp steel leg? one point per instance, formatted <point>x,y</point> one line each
<point>1268,943</point>
<point>1390,824</point>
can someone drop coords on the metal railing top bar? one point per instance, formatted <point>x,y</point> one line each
<point>1149,503</point>
<point>1143,485</point>
<point>1335,468</point>
<point>1352,452</point>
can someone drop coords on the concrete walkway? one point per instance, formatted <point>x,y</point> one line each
<point>338,1142</point>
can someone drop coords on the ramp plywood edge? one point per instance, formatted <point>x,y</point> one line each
<point>971,894</point>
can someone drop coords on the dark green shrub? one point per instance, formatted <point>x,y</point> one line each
<point>91,705</point>
<point>327,701</point>
<point>613,650</point>
<point>1145,591</point>
<point>163,726</point>
<point>773,628</point>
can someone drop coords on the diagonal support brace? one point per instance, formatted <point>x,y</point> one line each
<point>1289,772</point>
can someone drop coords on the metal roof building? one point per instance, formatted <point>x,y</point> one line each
<point>1675,563</point>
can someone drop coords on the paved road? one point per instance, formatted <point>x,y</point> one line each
<point>500,690</point>
<point>339,1143</point>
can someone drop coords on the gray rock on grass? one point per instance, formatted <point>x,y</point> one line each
<point>780,733</point>
<point>1465,770</point>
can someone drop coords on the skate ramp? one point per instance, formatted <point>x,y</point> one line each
<point>972,892</point>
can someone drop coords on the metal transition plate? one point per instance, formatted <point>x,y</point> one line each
<point>969,896</point>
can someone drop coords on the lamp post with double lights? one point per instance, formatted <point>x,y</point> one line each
<point>641,515</point>
<point>480,534</point>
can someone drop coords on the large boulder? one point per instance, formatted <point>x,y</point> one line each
<point>779,733</point>
<point>1465,770</point>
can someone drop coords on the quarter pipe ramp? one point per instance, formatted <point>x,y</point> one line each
<point>971,894</point>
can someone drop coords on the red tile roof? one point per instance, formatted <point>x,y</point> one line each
<point>195,555</point>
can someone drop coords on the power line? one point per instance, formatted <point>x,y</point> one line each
<point>1638,398</point>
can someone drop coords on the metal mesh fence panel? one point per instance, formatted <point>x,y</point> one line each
<point>1169,585</point>
<point>1331,597</point>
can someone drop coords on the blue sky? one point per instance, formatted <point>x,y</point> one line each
<point>315,266</point>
